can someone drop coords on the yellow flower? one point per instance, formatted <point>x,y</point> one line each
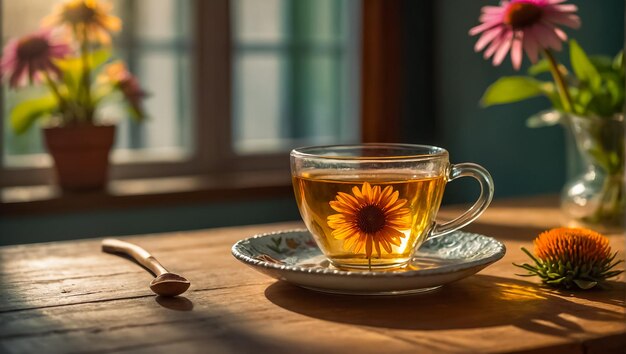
<point>116,72</point>
<point>369,219</point>
<point>118,75</point>
<point>87,19</point>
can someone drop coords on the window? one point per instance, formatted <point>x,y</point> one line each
<point>233,85</point>
<point>157,45</point>
<point>294,74</point>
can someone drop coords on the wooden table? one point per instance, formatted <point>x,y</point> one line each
<point>70,297</point>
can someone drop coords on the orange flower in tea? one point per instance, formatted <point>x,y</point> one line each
<point>370,218</point>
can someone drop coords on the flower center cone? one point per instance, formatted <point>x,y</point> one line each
<point>520,15</point>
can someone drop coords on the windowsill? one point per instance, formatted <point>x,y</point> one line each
<point>48,199</point>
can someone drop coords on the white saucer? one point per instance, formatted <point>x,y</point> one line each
<point>294,257</point>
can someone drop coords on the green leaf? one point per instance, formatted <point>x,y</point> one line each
<point>582,65</point>
<point>542,66</point>
<point>72,67</point>
<point>615,89</point>
<point>511,89</point>
<point>602,63</point>
<point>611,274</point>
<point>537,261</point>
<point>95,59</point>
<point>27,112</point>
<point>555,281</point>
<point>526,266</point>
<point>585,284</point>
<point>618,61</point>
<point>100,92</point>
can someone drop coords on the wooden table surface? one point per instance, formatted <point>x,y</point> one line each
<point>70,297</point>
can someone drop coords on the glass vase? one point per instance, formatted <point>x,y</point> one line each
<point>594,192</point>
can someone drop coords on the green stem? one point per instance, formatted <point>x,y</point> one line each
<point>561,86</point>
<point>55,90</point>
<point>612,204</point>
<point>85,88</point>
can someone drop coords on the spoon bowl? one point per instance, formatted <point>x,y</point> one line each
<point>169,284</point>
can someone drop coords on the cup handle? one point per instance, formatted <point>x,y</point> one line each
<point>486,195</point>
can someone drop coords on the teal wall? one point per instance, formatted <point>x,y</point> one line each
<point>56,227</point>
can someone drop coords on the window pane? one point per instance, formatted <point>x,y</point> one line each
<point>308,96</point>
<point>155,21</point>
<point>258,95</point>
<point>318,20</point>
<point>319,87</point>
<point>155,42</point>
<point>159,70</point>
<point>21,17</point>
<point>259,20</point>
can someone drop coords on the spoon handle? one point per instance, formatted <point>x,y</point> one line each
<point>111,245</point>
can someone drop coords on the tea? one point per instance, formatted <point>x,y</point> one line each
<point>369,219</point>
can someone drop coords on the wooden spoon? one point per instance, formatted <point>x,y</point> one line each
<point>165,283</point>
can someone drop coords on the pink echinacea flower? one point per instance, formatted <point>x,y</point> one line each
<point>529,25</point>
<point>28,57</point>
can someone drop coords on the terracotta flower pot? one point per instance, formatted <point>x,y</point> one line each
<point>81,155</point>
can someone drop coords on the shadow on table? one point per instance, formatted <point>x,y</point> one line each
<point>477,302</point>
<point>615,294</point>
<point>176,303</point>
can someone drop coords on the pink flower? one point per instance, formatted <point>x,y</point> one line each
<point>30,56</point>
<point>527,24</point>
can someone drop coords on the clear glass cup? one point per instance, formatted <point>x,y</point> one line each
<point>371,206</point>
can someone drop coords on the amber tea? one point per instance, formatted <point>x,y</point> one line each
<point>370,206</point>
<point>369,219</point>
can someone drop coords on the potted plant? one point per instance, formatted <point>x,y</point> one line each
<point>70,57</point>
<point>587,99</point>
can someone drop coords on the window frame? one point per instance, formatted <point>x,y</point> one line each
<point>212,149</point>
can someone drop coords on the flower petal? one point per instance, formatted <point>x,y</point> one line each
<point>531,46</point>
<point>503,49</point>
<point>486,38</point>
<point>483,27</point>
<point>366,190</point>
<point>368,247</point>
<point>399,204</point>
<point>547,36</point>
<point>516,53</point>
<point>351,242</point>
<point>391,200</point>
<point>495,44</point>
<point>563,8</point>
<point>377,246</point>
<point>569,20</point>
<point>385,243</point>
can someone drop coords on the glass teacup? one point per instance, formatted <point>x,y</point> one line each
<point>371,206</point>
